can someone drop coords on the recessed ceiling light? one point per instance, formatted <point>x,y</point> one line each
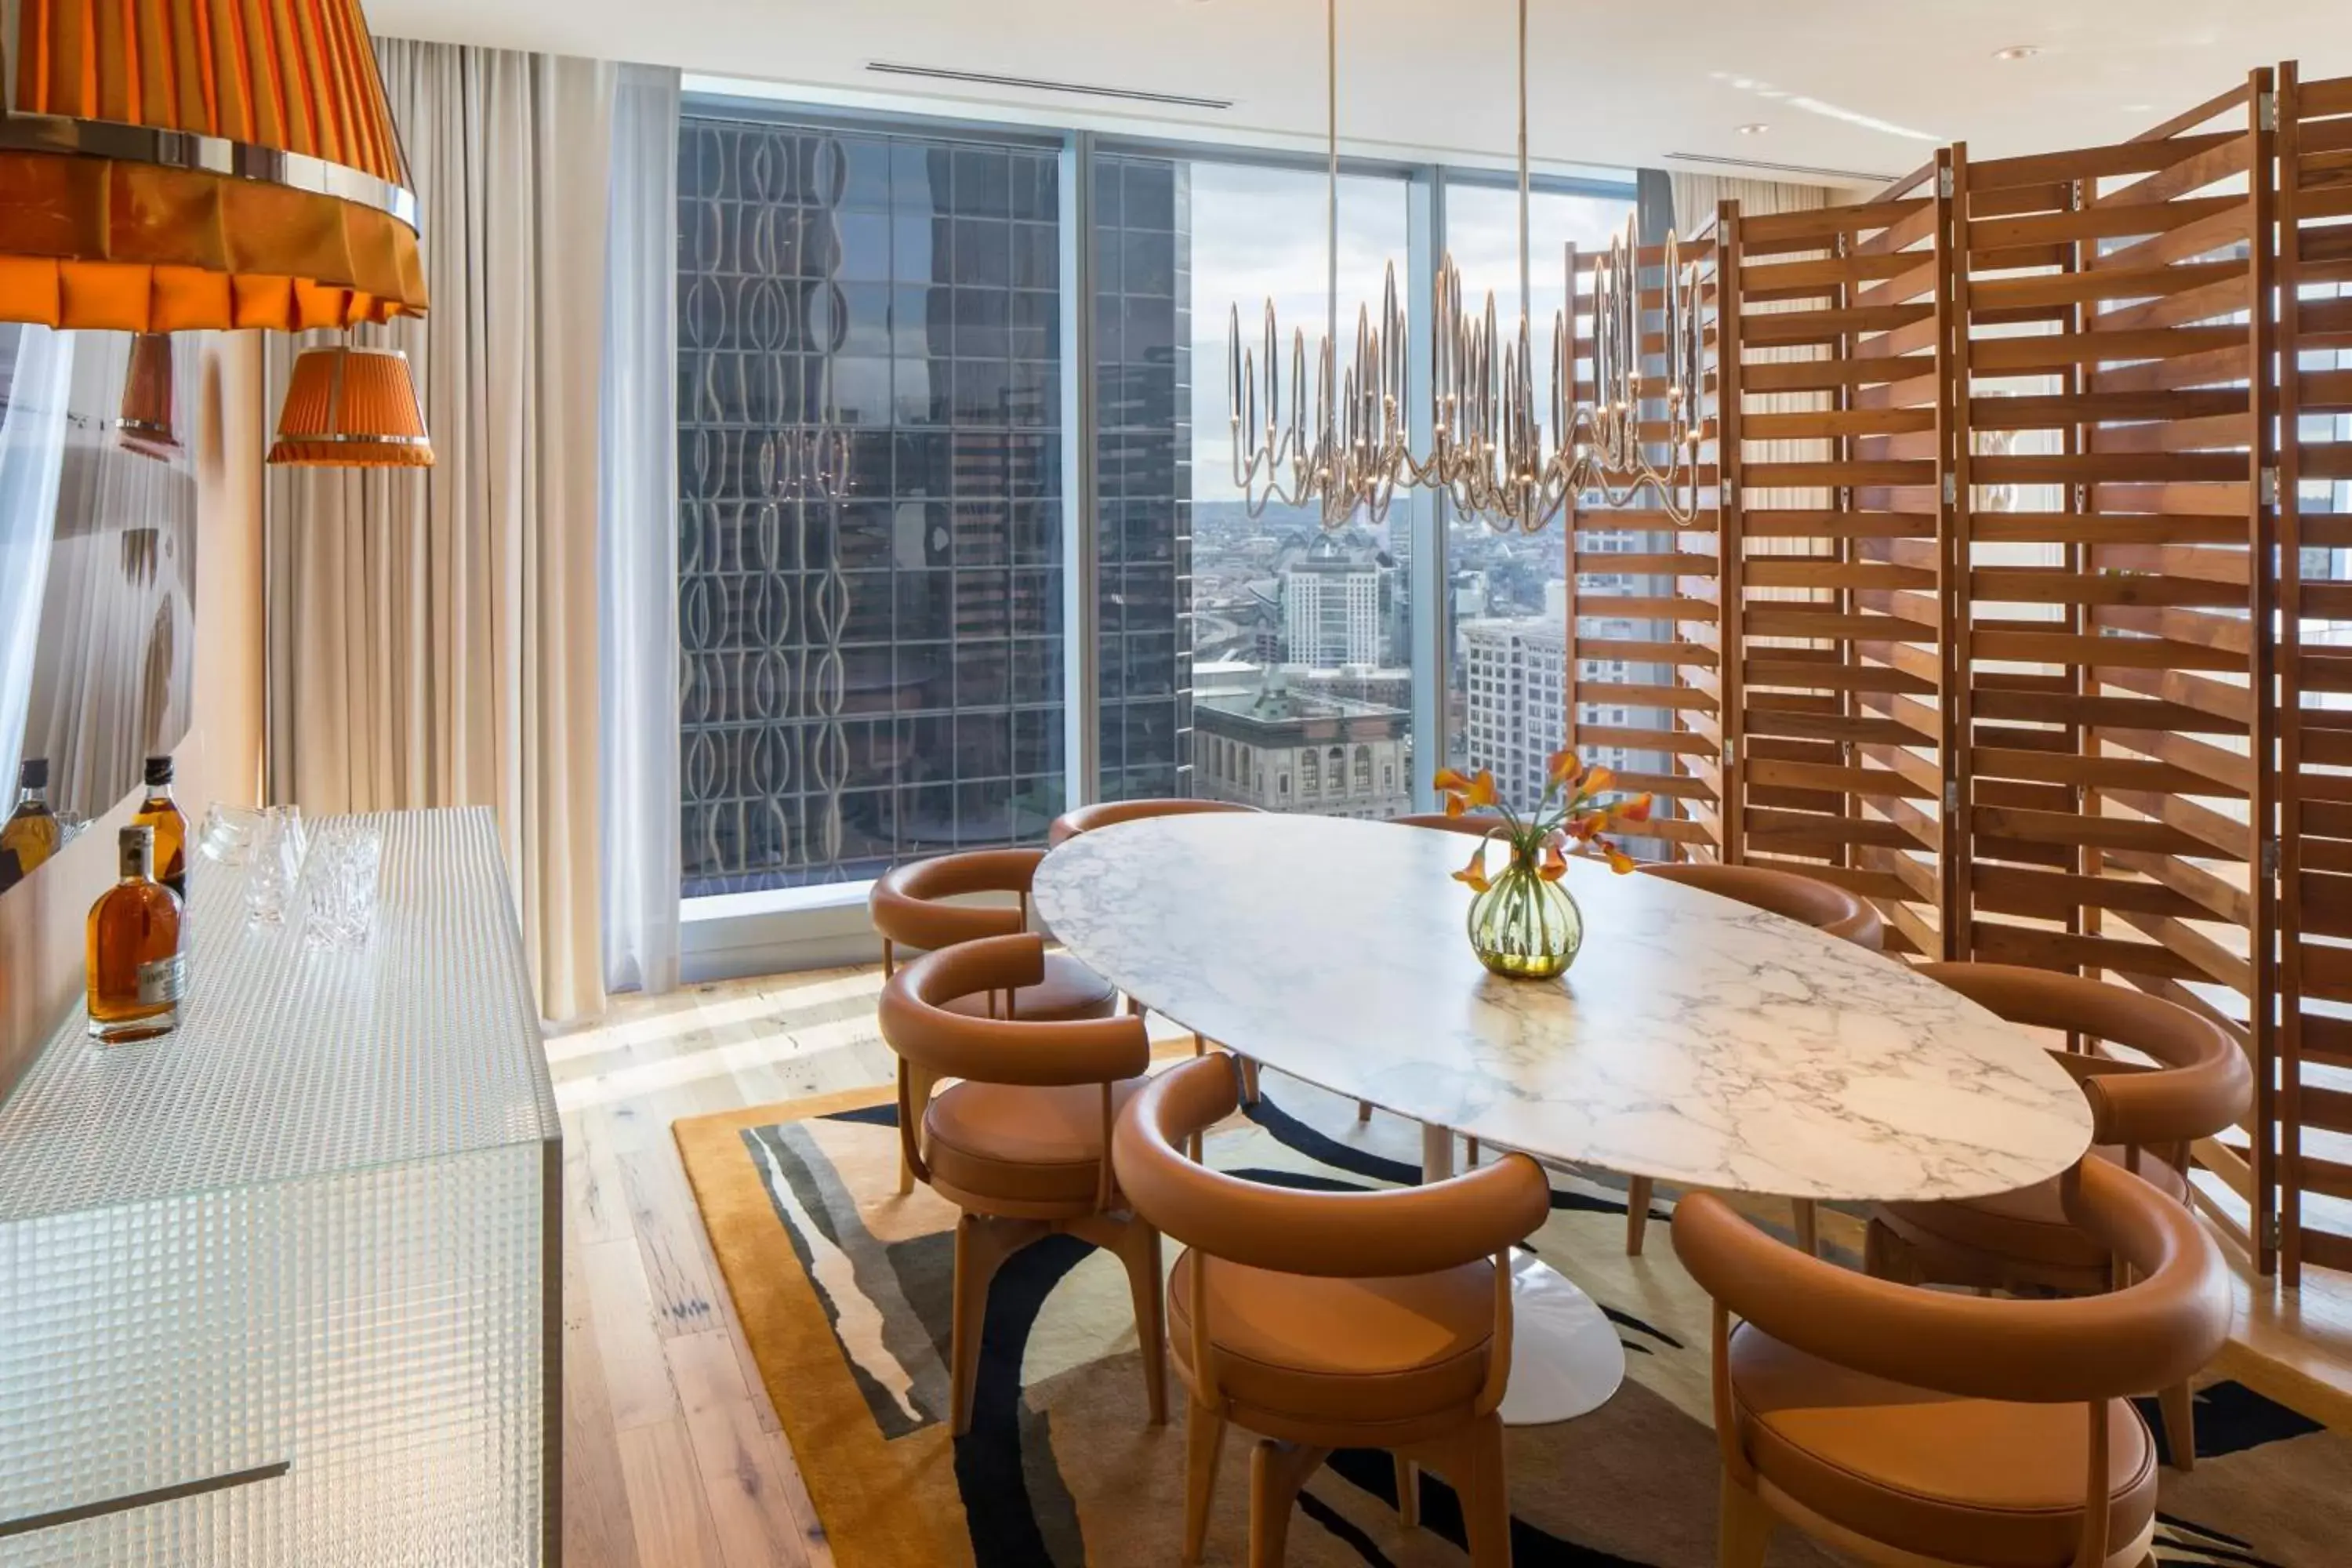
<point>1756,130</point>
<point>2017,52</point>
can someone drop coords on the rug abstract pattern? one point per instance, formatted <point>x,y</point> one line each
<point>842,1288</point>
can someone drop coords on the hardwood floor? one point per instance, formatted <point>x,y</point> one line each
<point>673,1457</point>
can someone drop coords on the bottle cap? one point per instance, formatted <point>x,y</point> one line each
<point>34,774</point>
<point>158,770</point>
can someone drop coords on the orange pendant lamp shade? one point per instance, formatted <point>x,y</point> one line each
<point>200,163</point>
<point>351,407</point>
<point>145,425</point>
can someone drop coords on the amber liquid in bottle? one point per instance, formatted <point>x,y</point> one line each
<point>30,834</point>
<point>162,813</point>
<point>136,971</point>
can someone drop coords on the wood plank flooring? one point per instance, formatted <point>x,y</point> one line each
<point>673,1457</point>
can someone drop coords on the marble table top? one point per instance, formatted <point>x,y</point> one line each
<point>1695,1040</point>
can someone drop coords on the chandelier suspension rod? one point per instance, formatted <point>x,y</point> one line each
<point>1527,295</point>
<point>1330,368</point>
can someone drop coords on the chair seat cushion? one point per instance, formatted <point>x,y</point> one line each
<point>2029,1224</point>
<point>1018,1143</point>
<point>1070,990</point>
<point>1962,1481</point>
<point>1372,1351</point>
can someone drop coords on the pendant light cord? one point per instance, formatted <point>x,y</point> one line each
<point>1331,198</point>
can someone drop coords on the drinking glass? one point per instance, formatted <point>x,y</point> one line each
<point>339,886</point>
<point>274,865</point>
<point>226,837</point>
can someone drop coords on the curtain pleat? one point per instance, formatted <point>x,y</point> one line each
<point>434,633</point>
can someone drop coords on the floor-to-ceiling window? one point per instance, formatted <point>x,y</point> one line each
<point>883,350</point>
<point>1247,653</point>
<point>1507,592</point>
<point>869,515</point>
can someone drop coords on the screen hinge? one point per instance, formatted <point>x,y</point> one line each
<point>1951,489</point>
<point>2270,857</point>
<point>2268,484</point>
<point>1944,187</point>
<point>2266,112</point>
<point>1952,795</point>
<point>1730,753</point>
<point>2271,1239</point>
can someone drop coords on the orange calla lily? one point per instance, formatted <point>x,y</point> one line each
<point>1619,861</point>
<point>1482,790</point>
<point>1475,873</point>
<point>1555,864</point>
<point>1563,767</point>
<point>1598,780</point>
<point>1451,781</point>
<point>1634,810</point>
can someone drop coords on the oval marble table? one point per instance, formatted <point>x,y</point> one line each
<point>1695,1040</point>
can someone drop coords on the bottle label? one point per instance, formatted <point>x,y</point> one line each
<point>163,979</point>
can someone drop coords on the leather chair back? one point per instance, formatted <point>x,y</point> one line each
<point>919,1027</point>
<point>1801,899</point>
<point>1086,818</point>
<point>907,912</point>
<point>1476,826</point>
<point>2201,1085</point>
<point>1409,1230</point>
<point>2150,1335</point>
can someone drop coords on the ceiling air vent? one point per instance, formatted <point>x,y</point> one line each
<point>1776,170</point>
<point>1037,84</point>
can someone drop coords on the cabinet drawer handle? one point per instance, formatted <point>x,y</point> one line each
<point>80,1511</point>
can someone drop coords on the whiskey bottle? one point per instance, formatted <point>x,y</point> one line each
<point>30,834</point>
<point>136,971</point>
<point>162,813</point>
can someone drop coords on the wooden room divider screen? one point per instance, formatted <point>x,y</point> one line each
<point>2314,1111</point>
<point>2020,607</point>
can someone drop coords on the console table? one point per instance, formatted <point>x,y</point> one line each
<point>283,1286</point>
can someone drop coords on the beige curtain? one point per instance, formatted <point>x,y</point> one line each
<point>434,635</point>
<point>1695,196</point>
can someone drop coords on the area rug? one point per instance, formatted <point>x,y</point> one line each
<point>843,1290</point>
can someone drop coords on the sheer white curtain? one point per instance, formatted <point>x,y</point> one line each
<point>636,540</point>
<point>433,633</point>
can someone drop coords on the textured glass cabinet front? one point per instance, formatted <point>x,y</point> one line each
<point>280,1288</point>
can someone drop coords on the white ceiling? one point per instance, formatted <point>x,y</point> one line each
<point>1838,83</point>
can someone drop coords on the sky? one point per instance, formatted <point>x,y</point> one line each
<point>1259,233</point>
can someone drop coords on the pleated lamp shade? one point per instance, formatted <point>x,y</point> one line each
<point>351,407</point>
<point>145,425</point>
<point>204,163</point>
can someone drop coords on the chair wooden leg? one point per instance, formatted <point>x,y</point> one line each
<point>1637,1213</point>
<point>1204,1443</point>
<point>1408,1485</point>
<point>1470,1154</point>
<point>981,1245</point>
<point>1277,1470</point>
<point>1249,1081</point>
<point>1364,1111</point>
<point>2179,1410</point>
<point>1809,1226</point>
<point>1483,1484</point>
<point>1140,1252</point>
<point>1745,1528</point>
<point>920,1085</point>
<point>1885,1255</point>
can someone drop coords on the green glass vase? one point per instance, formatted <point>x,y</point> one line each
<point>1525,928</point>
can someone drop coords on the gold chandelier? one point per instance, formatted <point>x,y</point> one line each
<point>1497,452</point>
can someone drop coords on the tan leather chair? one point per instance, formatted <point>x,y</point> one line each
<point>907,911</point>
<point>1020,1144</point>
<point>1915,1426</point>
<point>1323,1321</point>
<point>1478,823</point>
<point>1103,814</point>
<point>1826,908</point>
<point>2144,1118</point>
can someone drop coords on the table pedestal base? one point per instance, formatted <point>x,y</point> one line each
<point>1566,1358</point>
